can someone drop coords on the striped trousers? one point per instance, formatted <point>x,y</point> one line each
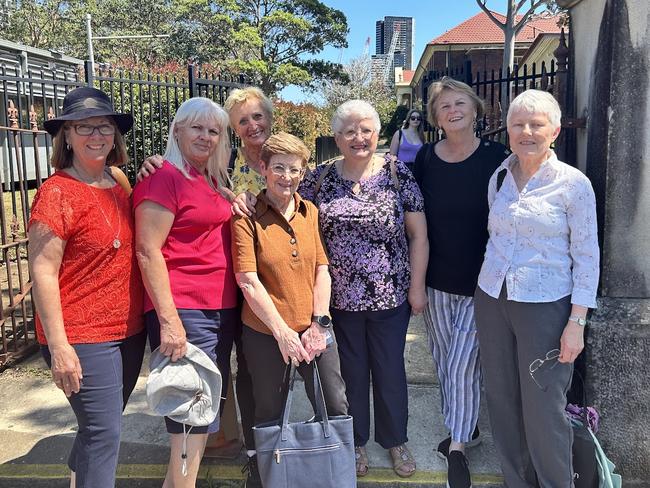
<point>453,341</point>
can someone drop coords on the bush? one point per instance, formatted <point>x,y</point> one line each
<point>303,120</point>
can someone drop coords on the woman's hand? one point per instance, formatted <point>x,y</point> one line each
<point>244,204</point>
<point>149,167</point>
<point>66,368</point>
<point>173,341</point>
<point>418,299</point>
<point>290,346</point>
<point>314,340</point>
<point>572,342</point>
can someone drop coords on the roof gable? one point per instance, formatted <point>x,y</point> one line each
<point>481,30</point>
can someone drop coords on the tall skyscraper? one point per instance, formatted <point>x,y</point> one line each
<point>384,31</point>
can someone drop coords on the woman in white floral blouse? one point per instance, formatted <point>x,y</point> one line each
<point>537,282</point>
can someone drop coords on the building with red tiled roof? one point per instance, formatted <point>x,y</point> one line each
<point>480,41</point>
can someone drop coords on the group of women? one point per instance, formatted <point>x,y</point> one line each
<point>497,250</point>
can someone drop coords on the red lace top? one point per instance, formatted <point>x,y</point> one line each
<point>101,288</point>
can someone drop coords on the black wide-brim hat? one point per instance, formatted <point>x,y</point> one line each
<point>85,102</point>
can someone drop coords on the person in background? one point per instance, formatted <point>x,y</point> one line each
<point>86,283</point>
<point>453,175</point>
<point>182,217</point>
<point>408,140</point>
<point>282,269</point>
<point>538,279</point>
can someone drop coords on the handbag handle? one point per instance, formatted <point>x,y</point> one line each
<point>321,408</point>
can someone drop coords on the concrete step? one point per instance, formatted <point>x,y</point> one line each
<point>37,430</point>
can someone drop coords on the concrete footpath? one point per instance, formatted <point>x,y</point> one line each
<point>37,430</point>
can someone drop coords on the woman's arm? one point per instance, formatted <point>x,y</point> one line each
<point>314,339</point>
<point>394,143</point>
<point>45,255</point>
<point>152,225</point>
<point>261,304</point>
<point>583,247</point>
<point>416,231</point>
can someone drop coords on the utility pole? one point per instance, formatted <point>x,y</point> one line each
<point>90,39</point>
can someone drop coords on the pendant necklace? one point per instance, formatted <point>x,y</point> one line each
<point>116,240</point>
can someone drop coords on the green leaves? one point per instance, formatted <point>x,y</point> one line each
<point>272,41</point>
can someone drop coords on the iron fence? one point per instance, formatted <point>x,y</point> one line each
<point>34,96</point>
<point>496,89</point>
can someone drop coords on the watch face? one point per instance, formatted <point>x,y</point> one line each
<point>324,321</point>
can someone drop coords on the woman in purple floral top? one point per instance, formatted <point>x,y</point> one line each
<point>373,224</point>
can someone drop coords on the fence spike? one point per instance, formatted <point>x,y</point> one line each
<point>12,115</point>
<point>33,123</point>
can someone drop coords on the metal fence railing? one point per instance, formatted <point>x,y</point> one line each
<point>34,96</point>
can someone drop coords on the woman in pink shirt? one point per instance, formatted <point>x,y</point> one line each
<point>182,224</point>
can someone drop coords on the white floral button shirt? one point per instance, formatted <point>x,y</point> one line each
<point>543,240</point>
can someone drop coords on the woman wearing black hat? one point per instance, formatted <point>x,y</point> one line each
<point>86,282</point>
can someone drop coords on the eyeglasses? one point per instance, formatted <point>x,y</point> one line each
<point>89,130</point>
<point>348,135</point>
<point>536,365</point>
<point>279,170</point>
<point>415,117</point>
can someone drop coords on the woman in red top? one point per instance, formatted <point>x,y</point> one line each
<point>183,246</point>
<point>86,283</point>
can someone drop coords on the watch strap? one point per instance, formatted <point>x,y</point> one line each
<point>578,320</point>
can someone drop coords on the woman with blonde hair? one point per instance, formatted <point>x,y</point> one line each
<point>408,140</point>
<point>453,175</point>
<point>182,218</point>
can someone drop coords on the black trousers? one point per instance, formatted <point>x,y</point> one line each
<point>373,342</point>
<point>267,369</point>
<point>244,386</point>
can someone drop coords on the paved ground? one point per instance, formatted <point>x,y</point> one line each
<point>37,428</point>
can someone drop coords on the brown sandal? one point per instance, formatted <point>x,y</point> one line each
<point>361,457</point>
<point>403,462</point>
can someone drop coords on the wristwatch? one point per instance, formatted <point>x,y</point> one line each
<point>578,320</point>
<point>323,320</point>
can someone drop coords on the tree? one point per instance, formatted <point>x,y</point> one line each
<point>273,36</point>
<point>516,19</point>
<point>359,85</point>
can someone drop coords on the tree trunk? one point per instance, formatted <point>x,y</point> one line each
<point>509,33</point>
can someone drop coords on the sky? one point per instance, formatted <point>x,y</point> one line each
<point>432,18</point>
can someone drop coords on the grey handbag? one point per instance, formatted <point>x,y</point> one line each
<point>318,453</point>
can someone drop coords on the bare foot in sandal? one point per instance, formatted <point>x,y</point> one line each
<point>362,461</point>
<point>403,462</point>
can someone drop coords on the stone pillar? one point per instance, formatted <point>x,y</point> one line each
<point>612,73</point>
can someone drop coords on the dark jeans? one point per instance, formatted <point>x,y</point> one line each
<point>374,342</point>
<point>212,331</point>
<point>110,371</point>
<point>267,370</point>
<point>244,390</point>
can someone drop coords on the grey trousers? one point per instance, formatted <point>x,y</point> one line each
<point>531,433</point>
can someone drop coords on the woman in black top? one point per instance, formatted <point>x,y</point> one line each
<point>453,176</point>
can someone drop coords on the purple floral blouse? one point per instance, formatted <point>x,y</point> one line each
<point>365,236</point>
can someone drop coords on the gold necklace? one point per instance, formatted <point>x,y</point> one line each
<point>116,240</point>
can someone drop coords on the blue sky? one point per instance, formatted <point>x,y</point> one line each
<point>432,18</point>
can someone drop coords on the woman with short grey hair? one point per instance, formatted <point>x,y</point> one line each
<point>538,279</point>
<point>373,225</point>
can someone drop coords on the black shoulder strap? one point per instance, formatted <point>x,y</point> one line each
<point>327,168</point>
<point>233,157</point>
<point>501,175</point>
<point>399,143</point>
